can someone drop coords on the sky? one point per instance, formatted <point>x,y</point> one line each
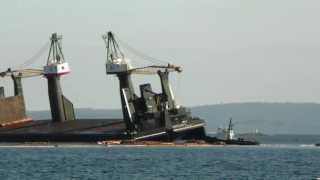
<point>231,51</point>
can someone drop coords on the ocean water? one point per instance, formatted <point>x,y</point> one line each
<point>99,162</point>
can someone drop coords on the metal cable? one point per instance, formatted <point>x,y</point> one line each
<point>35,57</point>
<point>140,54</point>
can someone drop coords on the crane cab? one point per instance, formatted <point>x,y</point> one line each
<point>56,69</point>
<point>117,66</point>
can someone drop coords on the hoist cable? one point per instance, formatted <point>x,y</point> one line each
<point>140,54</point>
<point>35,57</point>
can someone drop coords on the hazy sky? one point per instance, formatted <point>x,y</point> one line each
<point>231,51</point>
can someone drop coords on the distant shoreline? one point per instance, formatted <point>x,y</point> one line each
<point>267,118</point>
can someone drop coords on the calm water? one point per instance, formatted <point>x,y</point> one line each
<point>264,162</point>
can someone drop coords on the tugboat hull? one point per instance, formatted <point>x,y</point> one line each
<point>241,142</point>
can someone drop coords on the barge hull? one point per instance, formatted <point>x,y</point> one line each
<point>91,130</point>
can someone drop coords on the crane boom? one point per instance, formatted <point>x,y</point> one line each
<point>154,69</point>
<point>22,73</point>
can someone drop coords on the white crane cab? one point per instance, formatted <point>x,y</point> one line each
<point>118,65</point>
<point>56,69</point>
<point>56,65</point>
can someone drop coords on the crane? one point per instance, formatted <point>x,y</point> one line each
<point>61,108</point>
<point>118,63</point>
<point>158,108</point>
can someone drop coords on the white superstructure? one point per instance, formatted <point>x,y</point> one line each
<point>230,134</point>
<point>118,65</point>
<point>226,133</point>
<point>56,69</point>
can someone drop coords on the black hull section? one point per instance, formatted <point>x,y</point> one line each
<point>197,133</point>
<point>59,137</point>
<point>92,130</point>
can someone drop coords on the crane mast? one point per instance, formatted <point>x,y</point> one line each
<point>61,107</point>
<point>117,64</point>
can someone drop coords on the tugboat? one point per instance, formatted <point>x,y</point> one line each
<point>228,136</point>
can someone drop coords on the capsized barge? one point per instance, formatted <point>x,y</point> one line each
<point>150,116</point>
